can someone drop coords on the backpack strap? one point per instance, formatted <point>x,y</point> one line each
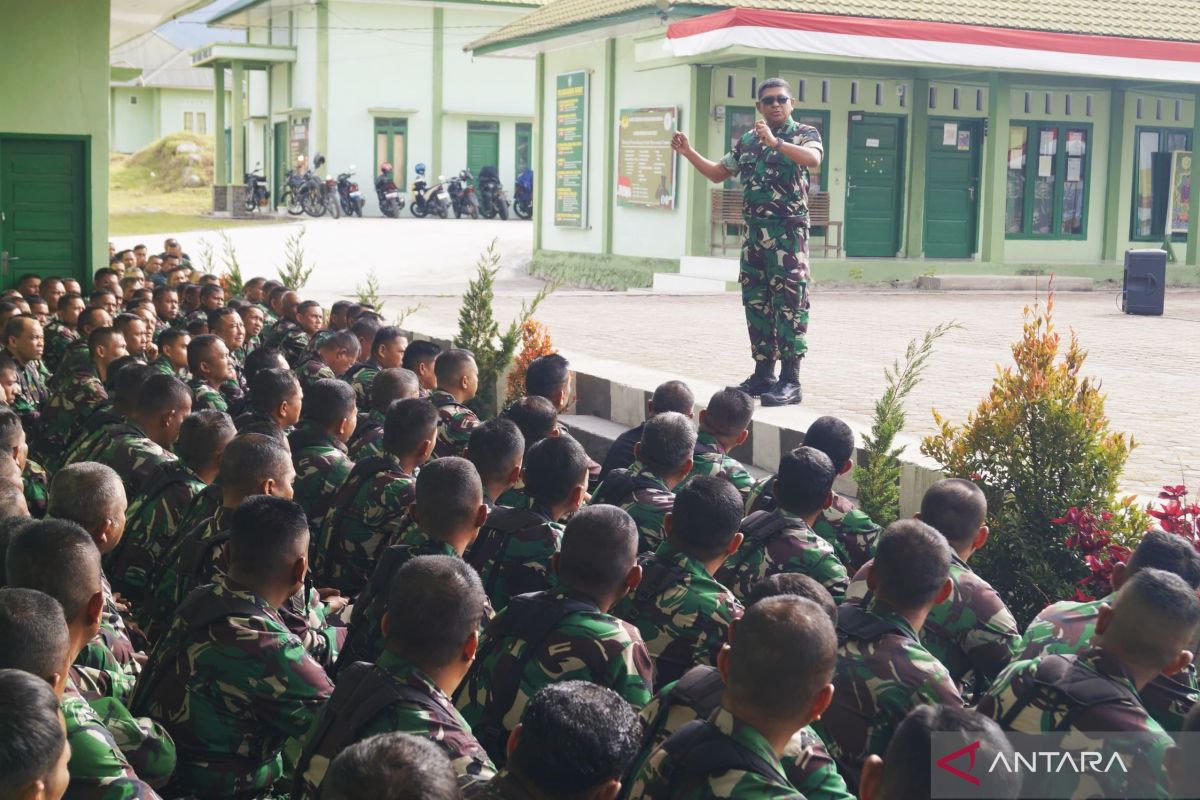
<point>168,473</point>
<point>194,554</point>
<point>1063,675</point>
<point>657,576</point>
<point>762,526</point>
<point>491,545</point>
<point>699,689</point>
<point>371,604</point>
<point>855,623</point>
<point>618,485</point>
<point>699,749</point>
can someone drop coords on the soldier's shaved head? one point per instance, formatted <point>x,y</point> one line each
<point>956,508</point>
<point>391,766</point>
<point>599,547</point>
<point>36,621</point>
<point>268,535</point>
<point>33,742</point>
<point>705,517</point>
<point>87,493</point>
<point>668,442</point>
<point>912,562</point>
<point>554,467</point>
<point>804,481</point>
<point>794,583</point>
<point>251,459</point>
<point>449,493</point>
<point>673,396</point>
<point>729,411</point>
<point>1169,552</point>
<point>408,424</point>
<point>271,387</point>
<point>451,365</point>
<point>161,394</point>
<point>203,437</point>
<point>496,446</point>
<point>535,416</point>
<point>435,604</point>
<point>1155,616</point>
<point>327,402</point>
<point>833,438</point>
<point>391,385</point>
<point>56,557</point>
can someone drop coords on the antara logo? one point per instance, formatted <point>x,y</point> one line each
<point>969,751</point>
<point>1058,761</point>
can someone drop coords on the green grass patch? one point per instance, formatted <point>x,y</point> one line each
<point>592,271</point>
<point>135,223</point>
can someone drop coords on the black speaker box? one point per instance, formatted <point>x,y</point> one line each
<point>1145,283</point>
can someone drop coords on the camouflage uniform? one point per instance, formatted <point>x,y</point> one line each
<point>151,526</point>
<point>36,482</point>
<point>971,631</point>
<point>255,421</point>
<point>32,378</point>
<point>311,371</point>
<point>203,505</point>
<point>778,541</point>
<point>322,466</point>
<point>711,459</point>
<point>76,356</point>
<point>57,336</point>
<point>682,614</point>
<point>364,519</point>
<point>852,533</point>
<point>99,768</point>
<point>91,435</point>
<point>1067,628</point>
<point>1090,699</point>
<point>205,397</point>
<point>806,763</point>
<point>128,450</point>
<point>455,423</point>
<point>545,638</point>
<point>197,316</point>
<point>362,379</point>
<point>163,366</point>
<point>196,558</point>
<point>883,672</point>
<point>390,696</point>
<point>66,411</point>
<point>644,495</point>
<point>513,550</point>
<point>774,264</point>
<point>514,496</point>
<point>234,687</point>
<point>668,775</point>
<point>368,436</point>
<point>293,343</point>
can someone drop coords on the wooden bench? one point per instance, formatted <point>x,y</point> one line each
<point>818,217</point>
<point>726,211</point>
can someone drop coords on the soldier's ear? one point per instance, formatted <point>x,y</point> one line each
<point>470,647</point>
<point>821,702</point>
<point>481,515</point>
<point>668,520</point>
<point>945,592</point>
<point>981,537</point>
<point>742,437</point>
<point>872,578</point>
<point>871,778</point>
<point>735,543</point>
<point>828,501</point>
<point>517,473</point>
<point>608,791</point>
<point>384,624</point>
<point>849,465</point>
<point>513,738</point>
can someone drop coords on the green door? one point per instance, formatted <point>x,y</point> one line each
<point>952,187</point>
<point>280,161</point>
<point>483,145</point>
<point>43,208</point>
<point>874,177</point>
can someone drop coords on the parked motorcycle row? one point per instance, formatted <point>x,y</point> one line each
<point>305,192</point>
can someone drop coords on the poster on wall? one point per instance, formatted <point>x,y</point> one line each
<point>645,160</point>
<point>1181,191</point>
<point>570,149</point>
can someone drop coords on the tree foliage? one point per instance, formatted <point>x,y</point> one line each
<point>295,272</point>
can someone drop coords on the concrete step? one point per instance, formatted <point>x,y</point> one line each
<point>1003,283</point>
<point>670,282</point>
<point>718,269</point>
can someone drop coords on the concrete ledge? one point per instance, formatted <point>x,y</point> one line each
<point>1002,283</point>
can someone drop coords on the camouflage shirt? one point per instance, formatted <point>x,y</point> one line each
<point>322,466</point>
<point>682,614</point>
<point>883,672</point>
<point>234,687</point>
<point>196,558</point>
<point>57,336</point>
<point>455,423</point>
<point>128,450</point>
<point>255,421</point>
<point>99,769</point>
<point>65,412</point>
<point>782,542</point>
<point>972,630</point>
<point>368,436</point>
<point>582,643</point>
<point>365,519</point>
<point>362,379</point>
<point>711,459</point>
<point>1067,628</point>
<point>774,188</point>
<point>644,495</point>
<point>91,436</point>
<point>32,380</point>
<point>294,343</point>
<point>852,533</point>
<point>205,397</point>
<point>423,710</point>
<point>76,356</point>
<point>513,550</point>
<point>311,371</point>
<point>657,778</point>
<point>163,366</point>
<point>1077,695</point>
<point>36,483</point>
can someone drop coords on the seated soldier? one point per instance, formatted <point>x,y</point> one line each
<point>391,766</point>
<point>364,329</point>
<point>762,708</point>
<point>123,385</point>
<point>783,540</point>
<point>137,335</point>
<point>1091,698</point>
<point>1068,627</point>
<point>516,545</point>
<point>172,353</point>
<point>646,490</point>
<point>457,382</point>
<point>109,746</point>
<point>1182,762</point>
<point>883,671</point>
<point>73,401</point>
<point>497,449</point>
<point>449,505</point>
<point>536,418</point>
<point>295,343</point>
<point>152,520</point>
<point>334,355</point>
<point>904,770</point>
<point>564,634</point>
<point>10,387</point>
<point>680,611</point>
<point>386,352</point>
<point>549,376</point>
<point>263,358</point>
<point>275,403</point>
<point>24,342</point>
<point>226,324</point>
<point>137,448</point>
<point>91,496</point>
<point>209,364</point>
<point>40,310</point>
<point>972,631</point>
<point>76,354</point>
<point>33,741</point>
<point>34,478</point>
<point>318,445</point>
<point>431,630</point>
<point>166,308</point>
<point>62,329</point>
<point>851,532</point>
<point>254,322</point>
<point>105,299</point>
<point>419,358</point>
<point>575,740</point>
<point>229,681</point>
<point>212,298</point>
<point>724,425</point>
<point>367,510</point>
<point>387,387</point>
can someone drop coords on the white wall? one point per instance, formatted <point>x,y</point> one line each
<point>133,124</point>
<point>483,85</point>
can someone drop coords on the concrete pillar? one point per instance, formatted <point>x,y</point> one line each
<point>697,209</point>
<point>610,137</point>
<point>995,168</point>
<point>541,115</point>
<point>914,241</point>
<point>220,202</point>
<point>438,92</point>
<point>1193,236</point>
<point>238,124</point>
<point>1117,150</point>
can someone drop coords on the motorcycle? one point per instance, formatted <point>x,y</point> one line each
<point>523,196</point>
<point>390,200</point>
<point>332,202</point>
<point>493,200</point>
<point>429,199</point>
<point>462,195</point>
<point>257,194</point>
<point>290,196</point>
<point>349,196</point>
<point>312,191</point>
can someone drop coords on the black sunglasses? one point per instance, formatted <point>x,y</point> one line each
<point>771,100</point>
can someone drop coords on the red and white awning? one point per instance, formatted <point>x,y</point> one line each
<point>949,44</point>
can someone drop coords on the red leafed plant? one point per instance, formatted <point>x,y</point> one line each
<point>1176,515</point>
<point>535,343</point>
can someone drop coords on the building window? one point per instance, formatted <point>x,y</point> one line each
<point>956,97</point>
<point>133,99</point>
<point>188,125</point>
<point>729,86</point>
<point>390,137</point>
<point>201,122</point>
<point>853,93</point>
<point>1155,149</point>
<point>1046,195</point>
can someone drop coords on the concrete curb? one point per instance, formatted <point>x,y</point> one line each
<point>1003,283</point>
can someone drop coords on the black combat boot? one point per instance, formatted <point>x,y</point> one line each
<point>786,391</point>
<point>761,381</point>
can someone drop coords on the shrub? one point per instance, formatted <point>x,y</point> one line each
<point>294,273</point>
<point>232,278</point>
<point>535,343</point>
<point>1039,444</point>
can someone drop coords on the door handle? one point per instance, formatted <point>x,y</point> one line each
<point>849,186</point>
<point>971,192</point>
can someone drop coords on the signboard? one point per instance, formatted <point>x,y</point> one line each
<point>645,160</point>
<point>1181,192</point>
<point>570,149</point>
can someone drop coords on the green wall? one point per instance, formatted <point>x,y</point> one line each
<point>54,80</point>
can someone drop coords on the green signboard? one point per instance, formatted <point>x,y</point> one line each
<point>645,160</point>
<point>570,149</point>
